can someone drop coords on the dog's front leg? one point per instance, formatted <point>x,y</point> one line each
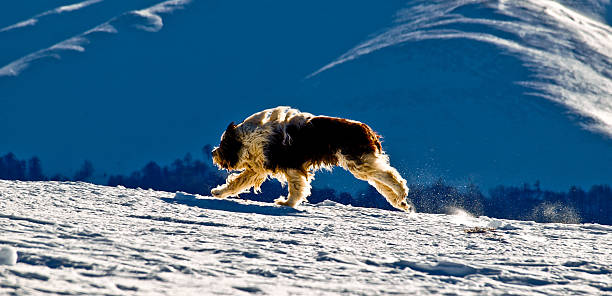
<point>238,183</point>
<point>299,189</point>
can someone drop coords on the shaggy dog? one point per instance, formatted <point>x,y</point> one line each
<point>290,145</point>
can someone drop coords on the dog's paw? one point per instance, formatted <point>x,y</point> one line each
<point>406,207</point>
<point>216,192</point>
<point>282,201</point>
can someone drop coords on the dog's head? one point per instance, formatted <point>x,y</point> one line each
<point>226,156</point>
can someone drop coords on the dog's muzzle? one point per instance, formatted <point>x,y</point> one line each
<point>217,160</point>
<point>215,156</point>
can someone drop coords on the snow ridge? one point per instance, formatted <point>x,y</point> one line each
<point>34,20</point>
<point>149,20</point>
<point>152,14</point>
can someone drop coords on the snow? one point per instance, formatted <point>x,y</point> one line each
<point>59,10</point>
<point>8,255</point>
<point>152,23</point>
<point>80,238</point>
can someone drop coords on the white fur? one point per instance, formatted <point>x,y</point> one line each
<point>256,130</point>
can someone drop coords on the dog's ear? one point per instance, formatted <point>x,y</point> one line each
<point>230,131</point>
<point>230,147</point>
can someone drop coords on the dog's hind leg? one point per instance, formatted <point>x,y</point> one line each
<point>383,189</point>
<point>239,183</point>
<point>299,189</point>
<point>390,177</point>
<point>397,201</point>
<point>376,170</point>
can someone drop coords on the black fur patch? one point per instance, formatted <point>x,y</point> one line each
<point>317,142</point>
<point>229,147</point>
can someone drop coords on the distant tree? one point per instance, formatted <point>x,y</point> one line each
<point>35,170</point>
<point>319,195</point>
<point>370,198</point>
<point>270,190</point>
<point>577,197</point>
<point>85,172</point>
<point>599,203</point>
<point>115,180</point>
<point>59,177</point>
<point>474,200</point>
<point>152,176</point>
<point>186,174</point>
<point>12,168</point>
<point>345,198</point>
<point>537,185</point>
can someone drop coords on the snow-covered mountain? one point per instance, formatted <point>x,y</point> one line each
<point>494,92</point>
<point>79,238</point>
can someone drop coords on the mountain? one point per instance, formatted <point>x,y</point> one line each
<point>80,238</point>
<point>493,92</point>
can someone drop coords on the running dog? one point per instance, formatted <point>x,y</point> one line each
<point>290,146</point>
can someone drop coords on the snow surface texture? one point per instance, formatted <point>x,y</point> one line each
<point>569,52</point>
<point>8,256</point>
<point>79,238</point>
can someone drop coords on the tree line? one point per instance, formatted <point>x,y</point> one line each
<point>12,168</point>
<point>198,176</point>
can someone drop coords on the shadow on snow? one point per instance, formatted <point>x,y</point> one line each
<point>231,205</point>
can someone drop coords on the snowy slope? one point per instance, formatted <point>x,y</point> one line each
<point>78,238</point>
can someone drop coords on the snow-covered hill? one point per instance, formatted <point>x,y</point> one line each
<point>79,238</point>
